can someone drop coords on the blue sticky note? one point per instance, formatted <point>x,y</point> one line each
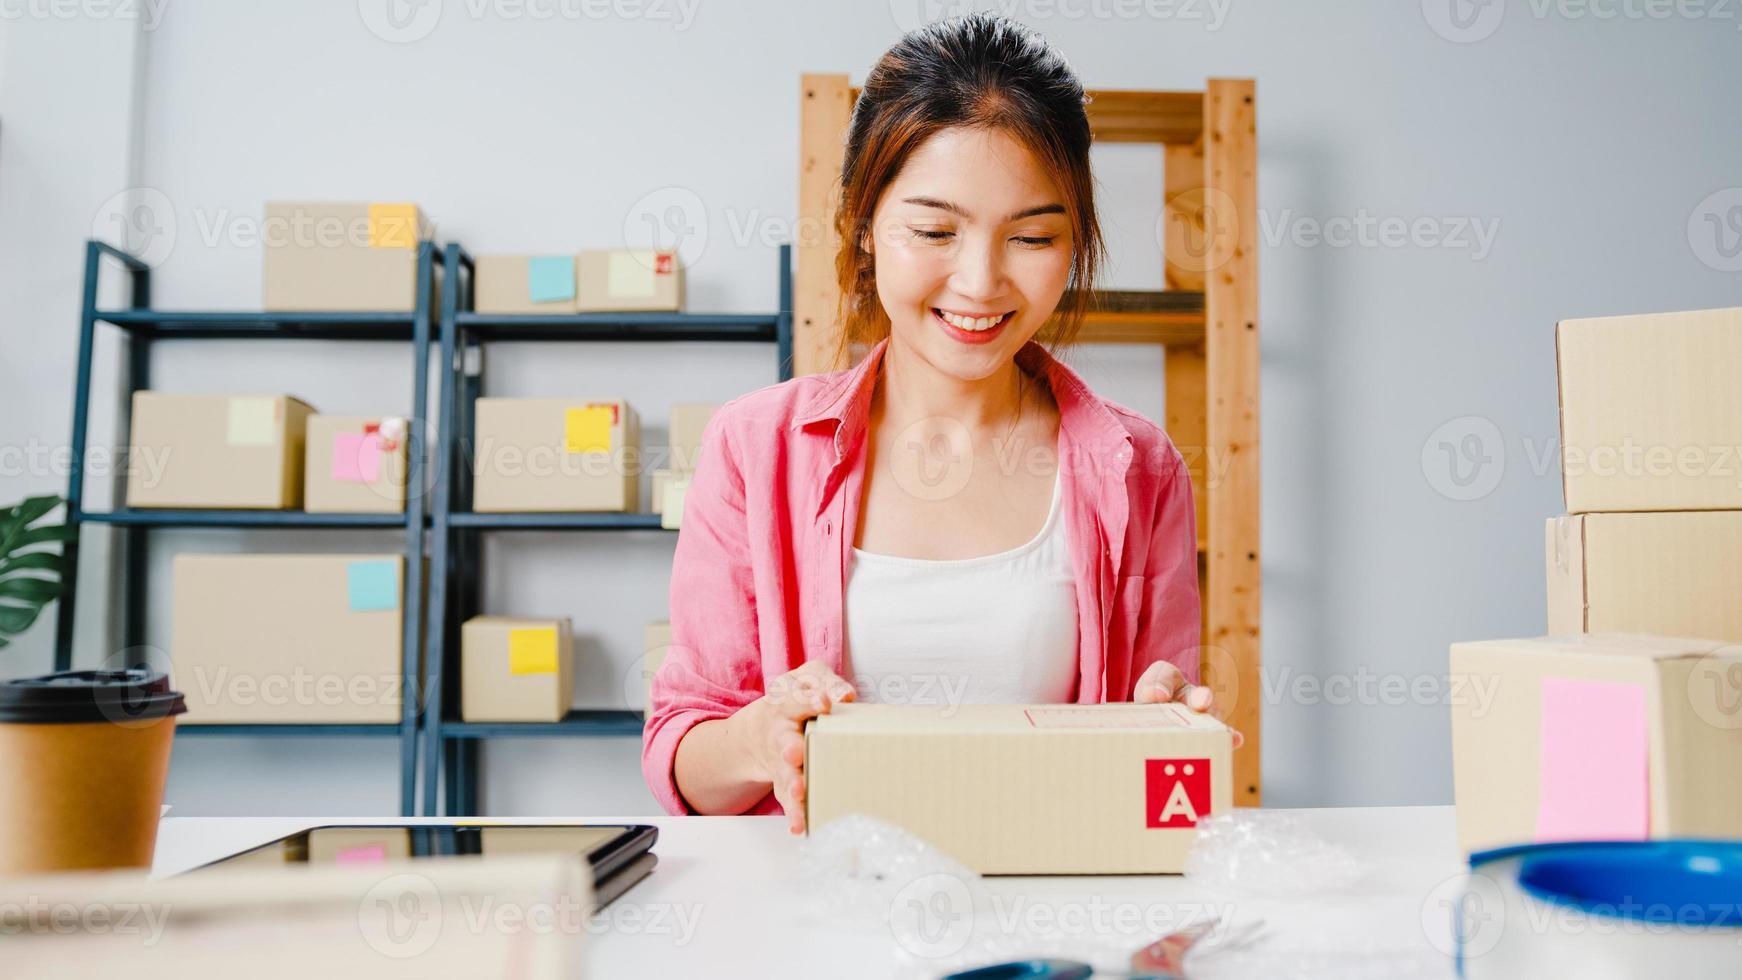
<point>550,279</point>
<point>373,585</point>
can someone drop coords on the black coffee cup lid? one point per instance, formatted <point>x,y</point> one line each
<point>76,696</point>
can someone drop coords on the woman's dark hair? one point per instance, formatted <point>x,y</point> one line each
<point>979,70</point>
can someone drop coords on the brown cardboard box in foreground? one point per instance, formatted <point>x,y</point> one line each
<point>342,257</point>
<point>613,280</point>
<point>1674,573</point>
<point>514,668</point>
<point>1026,789</point>
<point>288,639</point>
<point>1606,736</point>
<point>354,466</point>
<point>556,454</point>
<point>218,451</point>
<point>1651,414</point>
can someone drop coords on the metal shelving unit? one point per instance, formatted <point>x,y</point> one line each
<point>143,328</point>
<point>452,746</point>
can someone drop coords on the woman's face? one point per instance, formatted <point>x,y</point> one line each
<point>973,226</point>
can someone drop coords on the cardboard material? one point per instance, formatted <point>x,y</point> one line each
<point>517,284</point>
<point>1515,784</point>
<point>1026,789</point>
<point>516,668</point>
<point>1672,574</point>
<point>288,639</point>
<point>556,454</point>
<point>359,257</point>
<point>613,280</point>
<point>688,422</point>
<point>440,919</point>
<point>353,466</point>
<point>1651,416</point>
<point>671,508</point>
<point>216,451</point>
<point>81,796</point>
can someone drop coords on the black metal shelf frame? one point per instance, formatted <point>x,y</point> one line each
<point>143,328</point>
<point>451,746</point>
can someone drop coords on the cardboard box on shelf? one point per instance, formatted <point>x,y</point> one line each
<point>1595,737</point>
<point>613,280</point>
<point>1651,418</point>
<point>356,464</point>
<point>656,640</point>
<point>525,284</point>
<point>1026,789</point>
<point>288,639</point>
<point>216,451</point>
<point>556,454</point>
<point>357,257</point>
<point>675,489</point>
<point>516,668</point>
<point>688,422</point>
<point>1672,573</point>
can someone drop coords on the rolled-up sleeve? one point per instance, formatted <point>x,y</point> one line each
<point>1169,627</point>
<point>712,667</point>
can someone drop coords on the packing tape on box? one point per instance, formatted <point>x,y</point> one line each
<point>532,650</point>
<point>587,429</point>
<point>392,226</point>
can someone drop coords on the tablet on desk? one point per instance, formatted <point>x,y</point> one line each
<point>620,854</point>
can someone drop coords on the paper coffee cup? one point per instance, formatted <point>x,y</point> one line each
<point>83,757</point>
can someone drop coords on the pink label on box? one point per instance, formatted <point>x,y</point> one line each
<point>363,854</point>
<point>357,458</point>
<point>1144,716</point>
<point>1593,782</point>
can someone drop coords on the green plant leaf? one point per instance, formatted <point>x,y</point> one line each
<point>16,619</point>
<point>28,589</point>
<point>39,561</point>
<point>30,575</point>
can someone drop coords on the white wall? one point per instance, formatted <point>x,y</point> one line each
<point>1585,144</point>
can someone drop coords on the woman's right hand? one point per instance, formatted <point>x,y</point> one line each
<point>771,730</point>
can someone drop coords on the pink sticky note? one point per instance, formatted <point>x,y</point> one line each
<point>356,458</point>
<point>1593,783</point>
<point>363,854</point>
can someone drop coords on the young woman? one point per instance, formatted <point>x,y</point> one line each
<point>958,518</point>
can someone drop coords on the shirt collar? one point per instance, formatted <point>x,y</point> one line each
<point>1085,418</point>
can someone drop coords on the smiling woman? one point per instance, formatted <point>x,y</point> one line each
<point>958,518</point>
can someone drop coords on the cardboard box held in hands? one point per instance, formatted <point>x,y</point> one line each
<point>1026,789</point>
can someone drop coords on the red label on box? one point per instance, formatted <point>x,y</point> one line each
<point>662,264</point>
<point>1176,792</point>
<point>610,405</point>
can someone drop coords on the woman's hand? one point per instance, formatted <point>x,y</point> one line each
<point>771,730</point>
<point>1165,682</point>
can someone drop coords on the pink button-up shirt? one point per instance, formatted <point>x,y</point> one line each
<point>758,578</point>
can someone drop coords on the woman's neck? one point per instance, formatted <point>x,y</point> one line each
<point>911,389</point>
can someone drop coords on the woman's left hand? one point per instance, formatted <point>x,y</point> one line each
<point>1165,682</point>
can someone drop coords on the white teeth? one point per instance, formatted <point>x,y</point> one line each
<point>975,324</point>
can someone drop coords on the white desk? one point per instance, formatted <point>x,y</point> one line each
<point>727,900</point>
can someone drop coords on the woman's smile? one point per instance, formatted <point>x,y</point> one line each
<point>971,330</point>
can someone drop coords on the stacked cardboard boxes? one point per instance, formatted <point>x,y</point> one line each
<point>1618,725</point>
<point>672,482</point>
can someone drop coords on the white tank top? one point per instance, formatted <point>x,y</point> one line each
<point>996,629</point>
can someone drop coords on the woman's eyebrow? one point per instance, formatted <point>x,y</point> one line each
<point>956,209</point>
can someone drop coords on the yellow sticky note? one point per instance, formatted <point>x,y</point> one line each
<point>630,275</point>
<point>588,429</point>
<point>392,226</point>
<point>252,421</point>
<point>671,508</point>
<point>532,651</point>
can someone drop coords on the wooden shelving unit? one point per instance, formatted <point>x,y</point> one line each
<point>1206,317</point>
